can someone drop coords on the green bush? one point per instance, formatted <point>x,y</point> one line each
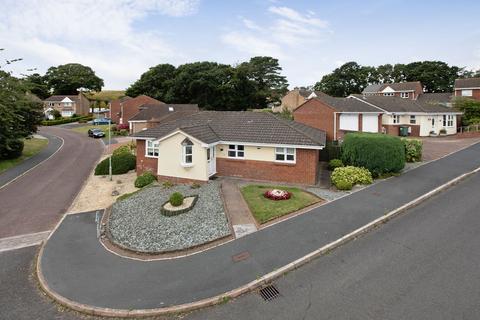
<point>344,176</point>
<point>121,164</point>
<point>167,184</point>
<point>65,120</point>
<point>413,150</point>
<point>335,163</point>
<point>176,199</point>
<point>11,149</point>
<point>122,150</point>
<point>332,150</point>
<point>145,179</point>
<point>379,153</point>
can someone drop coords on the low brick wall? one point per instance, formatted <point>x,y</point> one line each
<point>304,171</point>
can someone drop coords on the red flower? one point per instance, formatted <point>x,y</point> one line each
<point>276,194</point>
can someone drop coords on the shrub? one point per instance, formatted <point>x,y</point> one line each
<point>443,131</point>
<point>121,163</point>
<point>344,176</point>
<point>11,149</point>
<point>122,132</point>
<point>114,127</point>
<point>379,153</point>
<point>413,150</point>
<point>66,120</point>
<point>335,163</point>
<point>176,199</point>
<point>195,185</point>
<point>145,179</point>
<point>122,150</point>
<point>332,151</point>
<point>56,114</point>
<point>167,184</point>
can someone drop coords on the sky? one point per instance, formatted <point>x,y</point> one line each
<point>121,39</point>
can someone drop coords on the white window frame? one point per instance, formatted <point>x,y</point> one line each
<point>389,94</point>
<point>238,151</point>
<point>186,154</point>
<point>405,95</point>
<point>448,120</point>
<point>396,119</point>
<point>467,92</point>
<point>286,152</point>
<point>150,147</point>
<point>413,119</point>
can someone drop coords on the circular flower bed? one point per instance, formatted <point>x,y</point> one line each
<point>277,194</point>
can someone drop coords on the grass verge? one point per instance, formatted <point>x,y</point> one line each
<point>84,129</point>
<point>31,148</point>
<point>264,209</point>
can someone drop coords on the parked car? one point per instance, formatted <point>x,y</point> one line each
<point>99,121</point>
<point>96,133</point>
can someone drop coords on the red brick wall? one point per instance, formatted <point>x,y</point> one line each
<point>115,110</point>
<point>475,93</point>
<point>304,171</point>
<point>145,163</point>
<point>393,129</point>
<point>316,114</point>
<point>129,107</point>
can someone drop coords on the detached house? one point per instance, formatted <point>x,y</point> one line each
<point>249,145</point>
<point>123,109</point>
<point>293,99</point>
<point>469,88</point>
<point>406,90</point>
<point>151,115</point>
<point>67,105</point>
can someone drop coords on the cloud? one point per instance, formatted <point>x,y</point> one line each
<point>100,34</point>
<point>295,16</point>
<point>250,24</point>
<point>253,45</point>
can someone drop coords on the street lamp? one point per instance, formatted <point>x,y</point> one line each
<point>110,141</point>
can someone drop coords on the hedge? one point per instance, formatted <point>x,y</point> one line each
<point>145,179</point>
<point>379,153</point>
<point>65,120</point>
<point>122,150</point>
<point>413,150</point>
<point>121,164</point>
<point>344,178</point>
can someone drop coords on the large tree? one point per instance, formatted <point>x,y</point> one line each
<point>37,85</point>
<point>156,83</point>
<point>68,78</point>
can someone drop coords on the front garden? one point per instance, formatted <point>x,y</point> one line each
<point>264,208</point>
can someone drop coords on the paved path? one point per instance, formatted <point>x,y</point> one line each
<point>77,267</point>
<point>237,209</point>
<point>34,202</point>
<point>54,144</point>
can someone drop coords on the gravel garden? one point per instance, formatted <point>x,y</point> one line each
<point>137,223</point>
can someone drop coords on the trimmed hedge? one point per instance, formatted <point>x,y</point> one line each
<point>122,150</point>
<point>335,163</point>
<point>379,153</point>
<point>344,178</point>
<point>413,150</point>
<point>121,164</point>
<point>145,179</point>
<point>65,120</point>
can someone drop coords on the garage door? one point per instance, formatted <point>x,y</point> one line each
<point>349,122</point>
<point>370,123</point>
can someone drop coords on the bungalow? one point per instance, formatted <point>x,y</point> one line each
<point>469,88</point>
<point>249,145</point>
<point>406,90</point>
<point>67,105</point>
<point>151,115</point>
<point>125,108</point>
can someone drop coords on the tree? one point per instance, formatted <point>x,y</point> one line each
<point>470,109</point>
<point>37,85</point>
<point>436,76</point>
<point>68,78</point>
<point>156,83</point>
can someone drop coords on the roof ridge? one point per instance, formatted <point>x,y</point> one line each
<point>288,123</point>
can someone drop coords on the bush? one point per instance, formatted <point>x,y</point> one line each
<point>176,199</point>
<point>145,179</point>
<point>11,149</point>
<point>345,176</point>
<point>65,120</point>
<point>379,153</point>
<point>167,184</point>
<point>121,163</point>
<point>413,150</point>
<point>122,132</point>
<point>332,150</point>
<point>335,163</point>
<point>56,114</point>
<point>122,150</point>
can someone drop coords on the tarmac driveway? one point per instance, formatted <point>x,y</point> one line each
<point>436,147</point>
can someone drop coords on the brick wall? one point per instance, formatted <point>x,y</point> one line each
<point>304,171</point>
<point>292,100</point>
<point>316,114</point>
<point>393,129</point>
<point>145,163</point>
<point>475,94</point>
<point>124,111</point>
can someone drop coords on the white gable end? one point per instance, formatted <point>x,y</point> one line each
<point>388,90</point>
<point>312,95</point>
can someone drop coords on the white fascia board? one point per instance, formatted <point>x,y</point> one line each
<point>273,145</point>
<point>137,120</point>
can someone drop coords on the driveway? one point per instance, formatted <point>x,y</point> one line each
<point>437,147</point>
<point>35,202</point>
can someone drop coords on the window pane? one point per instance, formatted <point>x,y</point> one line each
<point>290,157</point>
<point>290,151</point>
<point>279,150</point>
<point>240,147</point>
<point>280,157</point>
<point>231,154</point>
<point>240,154</point>
<point>188,150</point>
<point>208,154</point>
<point>188,159</point>
<point>231,147</point>
<point>155,153</point>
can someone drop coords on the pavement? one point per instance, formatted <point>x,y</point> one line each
<point>36,201</point>
<point>76,266</point>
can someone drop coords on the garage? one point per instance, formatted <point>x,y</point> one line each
<point>349,121</point>
<point>370,123</point>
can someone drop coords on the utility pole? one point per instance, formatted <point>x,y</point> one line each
<point>110,141</point>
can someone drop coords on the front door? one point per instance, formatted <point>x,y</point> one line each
<point>212,162</point>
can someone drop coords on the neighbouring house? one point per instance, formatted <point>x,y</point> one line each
<point>469,88</point>
<point>407,90</point>
<point>67,105</point>
<point>125,108</point>
<point>151,115</point>
<point>243,144</point>
<point>293,99</point>
<point>338,116</point>
<point>425,116</point>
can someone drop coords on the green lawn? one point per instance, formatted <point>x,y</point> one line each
<point>32,147</point>
<point>84,129</point>
<point>264,209</point>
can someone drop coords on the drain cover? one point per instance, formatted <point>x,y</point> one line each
<point>269,292</point>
